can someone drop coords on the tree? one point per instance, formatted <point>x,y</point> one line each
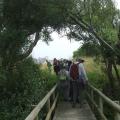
<point>94,19</point>
<point>24,22</point>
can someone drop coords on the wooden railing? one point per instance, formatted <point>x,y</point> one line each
<point>46,102</point>
<point>92,92</point>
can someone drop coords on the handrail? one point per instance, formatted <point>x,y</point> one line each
<point>103,98</point>
<point>111,103</point>
<point>33,115</point>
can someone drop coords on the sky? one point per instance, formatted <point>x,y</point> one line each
<point>117,2</point>
<point>60,47</point>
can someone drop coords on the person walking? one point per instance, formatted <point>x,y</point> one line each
<point>64,84</point>
<point>74,76</point>
<point>56,66</point>
<point>82,81</point>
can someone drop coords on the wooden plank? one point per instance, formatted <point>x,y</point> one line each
<point>66,112</point>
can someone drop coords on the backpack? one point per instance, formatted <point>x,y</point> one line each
<point>74,73</point>
<point>62,74</point>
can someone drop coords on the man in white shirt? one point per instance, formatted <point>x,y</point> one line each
<point>82,72</point>
<point>83,80</point>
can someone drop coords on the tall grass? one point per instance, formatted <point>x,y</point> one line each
<point>95,71</point>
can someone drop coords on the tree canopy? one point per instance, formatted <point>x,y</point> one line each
<point>23,23</point>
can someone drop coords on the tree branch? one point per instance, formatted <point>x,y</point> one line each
<point>23,56</point>
<point>88,28</point>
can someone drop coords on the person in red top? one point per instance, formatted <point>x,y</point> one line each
<point>56,66</point>
<point>74,75</point>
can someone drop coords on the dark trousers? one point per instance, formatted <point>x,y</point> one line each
<point>78,92</point>
<point>64,86</point>
<point>71,91</point>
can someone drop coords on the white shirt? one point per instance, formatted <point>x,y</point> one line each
<point>82,71</point>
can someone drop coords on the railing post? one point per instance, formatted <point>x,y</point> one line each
<point>117,116</point>
<point>37,118</point>
<point>92,97</point>
<point>100,104</point>
<point>53,96</point>
<point>45,102</point>
<point>48,105</point>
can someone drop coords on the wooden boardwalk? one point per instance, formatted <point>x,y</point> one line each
<point>65,111</point>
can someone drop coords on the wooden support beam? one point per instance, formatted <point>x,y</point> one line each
<point>52,108</point>
<point>37,118</point>
<point>100,104</point>
<point>117,116</point>
<point>97,108</point>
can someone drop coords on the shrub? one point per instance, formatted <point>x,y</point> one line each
<point>28,86</point>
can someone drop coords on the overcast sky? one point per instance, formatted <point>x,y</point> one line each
<point>60,47</point>
<point>117,3</point>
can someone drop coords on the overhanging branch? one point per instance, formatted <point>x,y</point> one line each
<point>28,52</point>
<point>88,28</point>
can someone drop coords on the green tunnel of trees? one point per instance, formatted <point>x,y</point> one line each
<point>24,22</point>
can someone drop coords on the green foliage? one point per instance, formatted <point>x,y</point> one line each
<point>24,83</point>
<point>96,72</point>
<point>97,79</point>
<point>87,49</point>
<point>28,85</point>
<point>33,15</point>
<point>98,16</point>
<point>21,20</point>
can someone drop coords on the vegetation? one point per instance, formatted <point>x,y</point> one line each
<point>95,73</point>
<point>87,49</point>
<point>24,22</point>
<point>99,34</point>
<point>31,86</point>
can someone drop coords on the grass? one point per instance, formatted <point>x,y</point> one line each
<point>95,71</point>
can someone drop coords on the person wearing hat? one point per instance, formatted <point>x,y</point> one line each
<point>82,72</point>
<point>83,80</point>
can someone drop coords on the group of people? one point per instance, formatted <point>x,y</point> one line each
<point>72,79</point>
